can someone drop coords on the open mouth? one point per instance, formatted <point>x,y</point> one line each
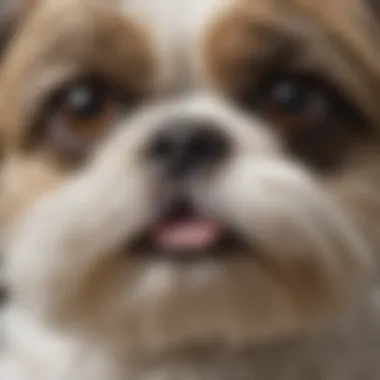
<point>184,233</point>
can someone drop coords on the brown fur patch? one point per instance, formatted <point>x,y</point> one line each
<point>338,42</point>
<point>83,40</point>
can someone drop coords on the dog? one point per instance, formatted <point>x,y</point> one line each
<point>190,189</point>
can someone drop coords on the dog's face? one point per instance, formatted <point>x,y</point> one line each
<point>190,171</point>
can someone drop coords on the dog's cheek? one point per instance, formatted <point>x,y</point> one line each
<point>359,195</point>
<point>22,182</point>
<point>299,226</point>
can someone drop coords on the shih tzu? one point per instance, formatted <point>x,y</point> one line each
<point>190,189</point>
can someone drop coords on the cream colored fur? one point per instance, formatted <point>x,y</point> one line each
<point>303,307</point>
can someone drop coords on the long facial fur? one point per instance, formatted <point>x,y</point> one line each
<point>315,236</point>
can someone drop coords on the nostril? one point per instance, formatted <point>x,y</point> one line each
<point>209,145</point>
<point>200,146</point>
<point>182,148</point>
<point>161,148</point>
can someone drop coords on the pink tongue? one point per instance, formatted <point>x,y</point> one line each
<point>187,234</point>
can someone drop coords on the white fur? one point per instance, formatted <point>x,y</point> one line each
<point>104,207</point>
<point>74,289</point>
<point>177,27</point>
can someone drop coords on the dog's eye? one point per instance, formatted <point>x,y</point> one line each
<point>295,105</point>
<point>315,120</point>
<point>83,113</point>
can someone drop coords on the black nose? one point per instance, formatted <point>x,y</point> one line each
<point>185,147</point>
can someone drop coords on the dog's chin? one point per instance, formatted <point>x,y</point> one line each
<point>194,283</point>
<point>196,280</point>
<point>177,300</point>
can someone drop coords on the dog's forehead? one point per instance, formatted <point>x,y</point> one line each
<point>176,17</point>
<point>176,28</point>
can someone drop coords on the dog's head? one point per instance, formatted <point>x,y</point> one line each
<point>190,171</point>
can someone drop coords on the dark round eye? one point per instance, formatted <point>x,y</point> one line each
<point>314,119</point>
<point>83,113</point>
<point>294,105</point>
